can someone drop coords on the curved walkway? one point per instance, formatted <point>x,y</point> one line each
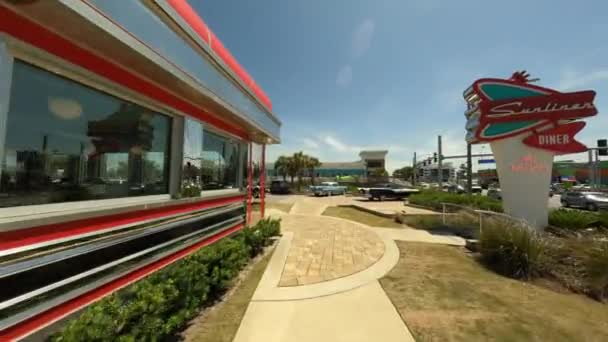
<point>323,249</point>
<point>322,281</point>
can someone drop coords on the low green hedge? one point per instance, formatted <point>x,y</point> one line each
<point>578,219</point>
<point>161,304</point>
<point>572,219</point>
<point>434,199</point>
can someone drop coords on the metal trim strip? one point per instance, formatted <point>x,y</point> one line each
<point>15,319</point>
<point>26,265</point>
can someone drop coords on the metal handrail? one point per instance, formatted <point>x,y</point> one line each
<point>481,214</point>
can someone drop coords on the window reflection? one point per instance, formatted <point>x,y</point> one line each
<point>67,142</point>
<point>220,162</point>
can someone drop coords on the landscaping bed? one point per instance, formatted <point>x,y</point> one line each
<point>160,305</point>
<point>444,294</point>
<point>572,254</point>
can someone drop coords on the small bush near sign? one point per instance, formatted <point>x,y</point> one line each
<point>158,306</point>
<point>434,199</point>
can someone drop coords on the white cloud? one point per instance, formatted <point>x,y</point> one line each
<point>338,145</point>
<point>309,143</point>
<point>362,37</point>
<point>345,76</point>
<point>571,79</point>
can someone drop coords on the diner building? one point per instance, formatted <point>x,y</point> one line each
<point>127,135</point>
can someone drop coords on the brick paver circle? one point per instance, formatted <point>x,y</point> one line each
<point>325,248</point>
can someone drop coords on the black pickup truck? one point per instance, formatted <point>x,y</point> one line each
<point>390,191</point>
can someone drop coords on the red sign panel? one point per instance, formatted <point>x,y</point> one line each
<point>559,139</point>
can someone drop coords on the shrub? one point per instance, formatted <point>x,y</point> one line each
<point>159,305</point>
<point>602,219</point>
<point>597,270</point>
<point>512,249</point>
<point>434,200</point>
<point>572,219</point>
<point>190,190</point>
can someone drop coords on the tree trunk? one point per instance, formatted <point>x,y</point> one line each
<point>291,180</point>
<point>300,182</point>
<point>312,176</point>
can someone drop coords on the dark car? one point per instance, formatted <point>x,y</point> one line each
<point>279,187</point>
<point>390,191</point>
<point>588,200</point>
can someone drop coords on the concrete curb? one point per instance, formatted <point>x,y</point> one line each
<point>368,210</point>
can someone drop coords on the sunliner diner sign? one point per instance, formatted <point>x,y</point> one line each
<point>500,109</point>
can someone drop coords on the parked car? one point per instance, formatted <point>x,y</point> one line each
<point>365,190</point>
<point>390,191</point>
<point>476,189</point>
<point>495,194</point>
<point>279,187</point>
<point>328,189</point>
<point>588,200</point>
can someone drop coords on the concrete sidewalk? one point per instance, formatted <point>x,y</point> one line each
<point>321,284</point>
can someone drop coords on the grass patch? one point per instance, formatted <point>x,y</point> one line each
<point>462,224</point>
<point>222,323</point>
<point>360,216</point>
<point>444,295</point>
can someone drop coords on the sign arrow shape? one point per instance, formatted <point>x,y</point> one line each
<point>559,139</point>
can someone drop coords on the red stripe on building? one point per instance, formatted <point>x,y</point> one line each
<point>198,25</point>
<point>29,236</point>
<point>41,320</point>
<point>34,34</point>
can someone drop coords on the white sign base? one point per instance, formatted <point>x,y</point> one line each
<point>525,175</point>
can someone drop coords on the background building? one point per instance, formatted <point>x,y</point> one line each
<point>371,164</point>
<point>430,173</point>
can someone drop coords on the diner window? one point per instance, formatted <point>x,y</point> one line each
<point>69,142</point>
<point>220,162</point>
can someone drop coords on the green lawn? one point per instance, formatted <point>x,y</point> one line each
<point>222,322</point>
<point>443,294</point>
<point>361,217</point>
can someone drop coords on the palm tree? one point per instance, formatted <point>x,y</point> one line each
<point>299,164</point>
<point>311,165</point>
<point>281,166</point>
<point>292,168</point>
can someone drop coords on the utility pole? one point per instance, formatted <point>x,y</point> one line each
<point>596,170</point>
<point>439,163</point>
<point>469,170</point>
<point>415,171</point>
<point>591,169</point>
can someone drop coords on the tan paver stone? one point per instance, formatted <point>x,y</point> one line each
<point>325,249</point>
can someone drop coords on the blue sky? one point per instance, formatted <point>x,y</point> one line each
<point>345,75</point>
